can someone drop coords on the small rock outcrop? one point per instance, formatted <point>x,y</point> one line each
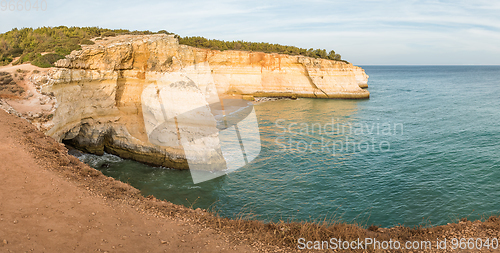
<point>106,94</point>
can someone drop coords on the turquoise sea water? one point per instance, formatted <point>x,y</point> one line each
<point>425,148</point>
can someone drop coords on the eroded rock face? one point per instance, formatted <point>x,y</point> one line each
<point>108,94</point>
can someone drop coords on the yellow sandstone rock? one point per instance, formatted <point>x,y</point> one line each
<point>106,92</point>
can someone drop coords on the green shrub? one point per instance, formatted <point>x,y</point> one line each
<point>29,43</point>
<point>108,34</point>
<point>46,61</point>
<point>164,32</point>
<point>62,51</point>
<point>202,42</point>
<point>15,52</point>
<point>28,57</point>
<point>5,60</point>
<point>87,42</point>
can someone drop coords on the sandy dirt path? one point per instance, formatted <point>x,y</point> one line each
<point>51,202</point>
<point>42,210</point>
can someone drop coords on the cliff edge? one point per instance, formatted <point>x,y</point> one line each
<point>103,97</point>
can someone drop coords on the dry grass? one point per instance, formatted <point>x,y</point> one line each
<point>8,86</point>
<point>278,236</point>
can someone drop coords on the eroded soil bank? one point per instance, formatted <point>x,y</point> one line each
<point>50,201</point>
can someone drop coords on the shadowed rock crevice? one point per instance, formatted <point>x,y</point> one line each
<point>312,82</point>
<point>100,91</point>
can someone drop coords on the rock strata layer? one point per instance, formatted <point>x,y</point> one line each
<point>107,94</point>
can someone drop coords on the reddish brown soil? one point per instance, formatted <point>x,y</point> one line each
<point>50,202</point>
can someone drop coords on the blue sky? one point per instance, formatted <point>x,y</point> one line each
<point>363,32</point>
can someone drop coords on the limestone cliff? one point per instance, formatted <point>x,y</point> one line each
<point>103,93</point>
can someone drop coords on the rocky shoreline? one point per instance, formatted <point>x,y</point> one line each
<point>96,98</point>
<point>244,235</point>
<point>95,104</point>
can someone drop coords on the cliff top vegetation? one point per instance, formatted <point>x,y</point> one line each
<point>45,45</point>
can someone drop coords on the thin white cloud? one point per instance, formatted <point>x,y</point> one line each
<point>363,31</point>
